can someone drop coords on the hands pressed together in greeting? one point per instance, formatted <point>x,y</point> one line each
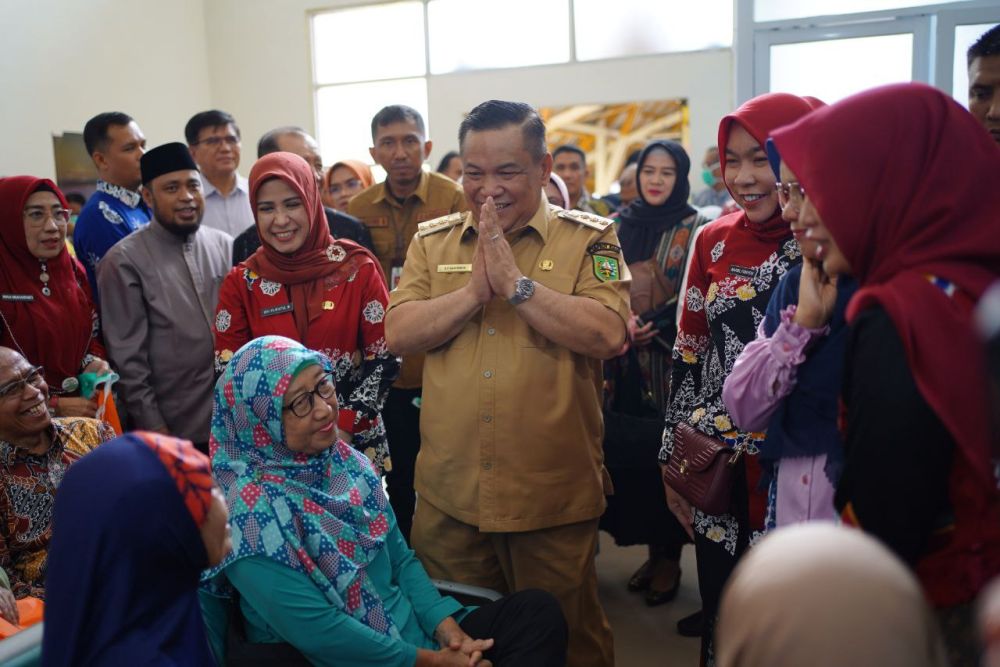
<point>494,271</point>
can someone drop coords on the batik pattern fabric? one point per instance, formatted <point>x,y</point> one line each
<point>324,515</point>
<point>731,278</point>
<point>28,495</point>
<point>189,469</point>
<point>350,331</point>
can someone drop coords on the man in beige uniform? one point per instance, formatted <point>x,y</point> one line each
<point>391,211</point>
<point>515,304</point>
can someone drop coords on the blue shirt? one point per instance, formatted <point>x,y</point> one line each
<point>111,214</point>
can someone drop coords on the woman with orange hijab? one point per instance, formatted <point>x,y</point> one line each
<point>328,294</point>
<point>344,180</point>
<point>735,264</point>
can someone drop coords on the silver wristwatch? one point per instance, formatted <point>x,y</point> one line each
<point>524,288</point>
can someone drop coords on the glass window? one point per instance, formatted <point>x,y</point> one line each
<point>834,69</point>
<point>778,10</point>
<point>638,27</point>
<point>365,43</point>
<point>344,115</point>
<point>462,39</point>
<point>965,36</point>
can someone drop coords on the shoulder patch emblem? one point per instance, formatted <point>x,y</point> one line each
<point>439,224</point>
<point>601,246</point>
<point>606,268</point>
<point>110,214</point>
<point>586,219</point>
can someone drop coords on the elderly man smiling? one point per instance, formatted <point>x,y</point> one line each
<point>35,450</point>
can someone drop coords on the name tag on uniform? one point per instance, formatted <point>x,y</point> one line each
<point>18,297</point>
<point>277,310</point>
<point>376,222</point>
<point>454,268</point>
<point>742,271</point>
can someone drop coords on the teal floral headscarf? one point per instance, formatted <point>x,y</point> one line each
<point>323,515</point>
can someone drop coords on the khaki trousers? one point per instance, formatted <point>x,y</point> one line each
<point>559,560</point>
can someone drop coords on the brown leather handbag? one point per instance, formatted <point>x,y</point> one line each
<point>649,287</point>
<point>702,469</point>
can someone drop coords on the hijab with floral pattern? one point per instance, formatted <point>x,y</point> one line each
<point>323,515</point>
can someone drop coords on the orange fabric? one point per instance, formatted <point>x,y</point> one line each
<point>30,610</point>
<point>360,169</point>
<point>189,468</point>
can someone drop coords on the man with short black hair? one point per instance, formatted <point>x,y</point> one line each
<point>984,81</point>
<point>115,144</point>
<point>214,140</point>
<point>162,286</point>
<point>570,163</point>
<point>293,139</point>
<point>511,302</point>
<point>391,211</point>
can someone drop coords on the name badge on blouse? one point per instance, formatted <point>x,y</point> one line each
<point>742,271</point>
<point>27,298</point>
<point>454,268</point>
<point>277,310</point>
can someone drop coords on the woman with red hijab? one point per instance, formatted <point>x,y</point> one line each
<point>328,294</point>
<point>893,180</point>
<point>736,263</point>
<point>45,303</point>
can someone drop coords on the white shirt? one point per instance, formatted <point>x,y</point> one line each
<point>231,214</point>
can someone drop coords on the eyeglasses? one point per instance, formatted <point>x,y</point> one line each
<point>352,184</point>
<point>35,377</point>
<point>37,216</point>
<point>303,404</point>
<point>214,142</point>
<point>787,192</point>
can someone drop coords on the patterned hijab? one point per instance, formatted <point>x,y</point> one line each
<point>323,515</point>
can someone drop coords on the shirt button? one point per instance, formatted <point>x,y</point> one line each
<point>487,418</point>
<point>487,465</point>
<point>491,331</point>
<point>487,374</point>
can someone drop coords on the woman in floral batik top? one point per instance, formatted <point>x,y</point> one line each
<point>737,261</point>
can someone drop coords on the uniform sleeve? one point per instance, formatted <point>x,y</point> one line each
<point>429,606</point>
<point>614,293</point>
<point>126,331</point>
<point>365,389</point>
<point>415,283</point>
<point>300,614</point>
<point>690,350</point>
<point>231,328</point>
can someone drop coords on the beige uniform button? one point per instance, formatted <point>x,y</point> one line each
<point>487,374</point>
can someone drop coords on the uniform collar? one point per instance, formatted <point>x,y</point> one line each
<point>539,221</point>
<point>423,188</point>
<point>128,197</point>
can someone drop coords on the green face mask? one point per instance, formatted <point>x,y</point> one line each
<point>708,177</point>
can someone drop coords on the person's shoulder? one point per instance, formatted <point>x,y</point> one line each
<point>440,224</point>
<point>584,219</point>
<point>441,182</point>
<point>367,196</point>
<point>81,435</point>
<point>333,216</point>
<point>211,235</point>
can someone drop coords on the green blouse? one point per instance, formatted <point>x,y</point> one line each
<point>282,605</point>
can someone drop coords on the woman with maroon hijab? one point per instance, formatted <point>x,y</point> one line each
<point>736,263</point>
<point>47,311</point>
<point>328,294</point>
<point>894,196</point>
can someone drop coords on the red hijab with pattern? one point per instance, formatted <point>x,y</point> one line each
<point>759,117</point>
<point>901,177</point>
<point>321,262</point>
<point>55,330</point>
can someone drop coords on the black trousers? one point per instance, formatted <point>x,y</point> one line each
<point>528,630</point>
<point>402,429</point>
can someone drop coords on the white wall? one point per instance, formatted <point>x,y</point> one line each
<point>63,61</point>
<point>261,72</point>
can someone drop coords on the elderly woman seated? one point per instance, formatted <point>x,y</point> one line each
<point>35,450</point>
<point>317,558</point>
